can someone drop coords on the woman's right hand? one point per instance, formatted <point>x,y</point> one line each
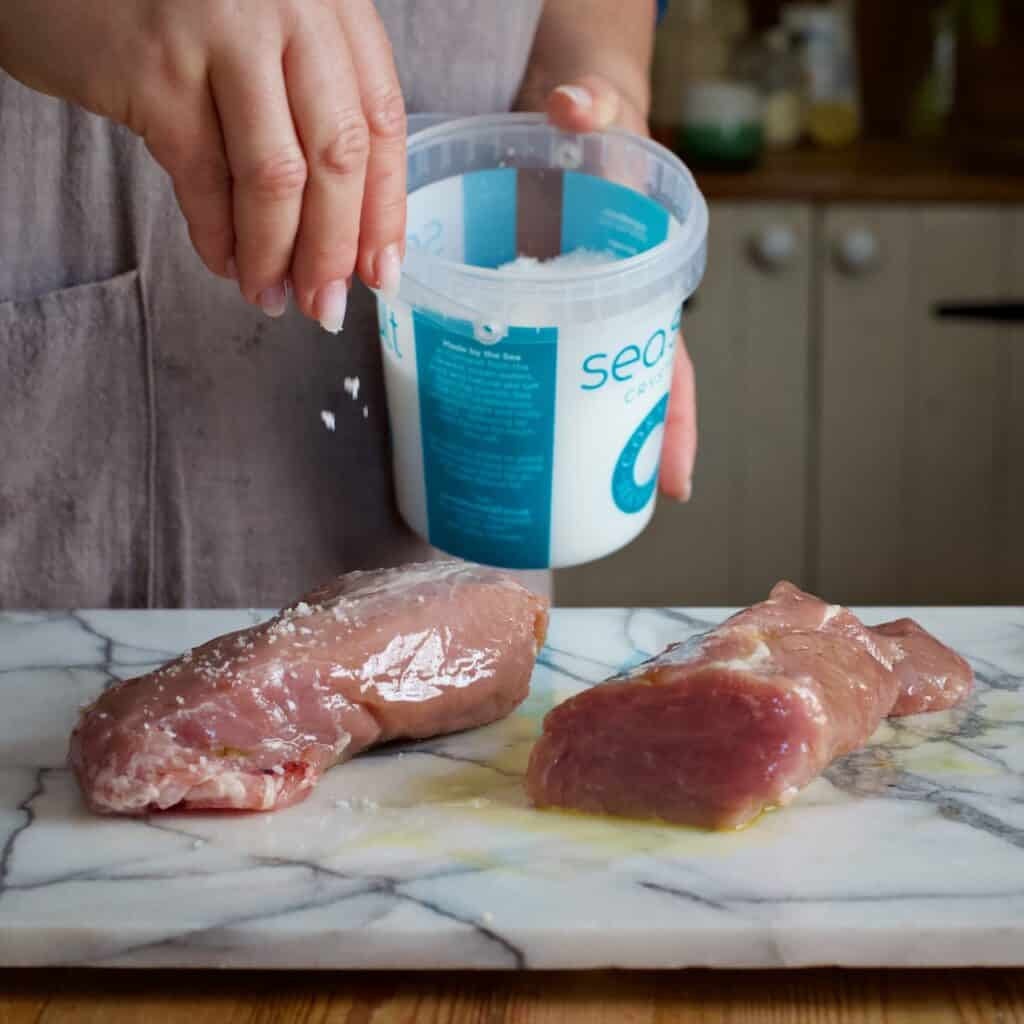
<point>281,123</point>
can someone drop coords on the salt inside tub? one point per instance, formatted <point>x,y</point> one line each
<point>528,355</point>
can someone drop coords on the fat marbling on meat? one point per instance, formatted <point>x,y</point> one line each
<point>715,730</point>
<point>251,720</point>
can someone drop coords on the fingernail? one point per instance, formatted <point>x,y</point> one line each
<point>232,268</point>
<point>580,96</point>
<point>274,301</point>
<point>389,271</point>
<point>687,491</point>
<point>332,301</point>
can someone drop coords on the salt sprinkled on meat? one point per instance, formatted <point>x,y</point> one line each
<point>257,725</point>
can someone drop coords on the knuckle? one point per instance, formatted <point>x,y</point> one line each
<point>281,175</point>
<point>385,114</point>
<point>348,148</point>
<point>169,55</point>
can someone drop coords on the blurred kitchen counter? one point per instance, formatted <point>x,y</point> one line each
<point>864,172</point>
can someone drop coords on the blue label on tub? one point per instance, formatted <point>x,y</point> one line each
<point>628,493</point>
<point>487,414</point>
<point>489,211</point>
<point>606,217</point>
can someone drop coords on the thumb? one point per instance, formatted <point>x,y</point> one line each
<point>586,104</point>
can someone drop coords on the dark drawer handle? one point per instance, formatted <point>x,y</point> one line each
<point>990,312</point>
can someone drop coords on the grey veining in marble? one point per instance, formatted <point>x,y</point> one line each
<point>910,852</point>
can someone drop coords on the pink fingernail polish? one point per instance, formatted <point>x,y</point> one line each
<point>580,96</point>
<point>389,271</point>
<point>332,301</point>
<point>274,301</point>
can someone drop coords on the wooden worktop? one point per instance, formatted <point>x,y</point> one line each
<point>707,997</point>
<point>864,172</point>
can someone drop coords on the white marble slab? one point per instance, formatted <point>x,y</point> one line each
<point>908,853</point>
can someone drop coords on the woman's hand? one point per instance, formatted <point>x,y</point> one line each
<point>281,123</point>
<point>589,103</point>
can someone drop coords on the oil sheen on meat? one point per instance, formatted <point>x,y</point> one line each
<point>715,730</point>
<point>251,720</point>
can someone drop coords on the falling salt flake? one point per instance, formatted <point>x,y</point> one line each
<point>478,802</point>
<point>352,387</point>
<point>328,418</point>
<point>487,916</point>
<point>198,844</point>
<point>366,412</point>
<point>343,805</point>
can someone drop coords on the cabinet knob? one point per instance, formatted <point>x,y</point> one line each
<point>857,251</point>
<point>774,246</point>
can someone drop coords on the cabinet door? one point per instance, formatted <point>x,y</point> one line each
<point>920,458</point>
<point>745,526</point>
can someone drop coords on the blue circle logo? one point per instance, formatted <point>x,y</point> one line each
<point>629,495</point>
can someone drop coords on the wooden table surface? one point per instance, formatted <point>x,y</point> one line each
<point>688,997</point>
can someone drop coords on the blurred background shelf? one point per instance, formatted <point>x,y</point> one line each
<point>867,171</point>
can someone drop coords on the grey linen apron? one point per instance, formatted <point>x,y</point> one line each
<point>161,442</point>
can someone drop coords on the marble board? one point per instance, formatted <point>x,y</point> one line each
<point>909,853</point>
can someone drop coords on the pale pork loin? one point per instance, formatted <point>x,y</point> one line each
<point>713,731</point>
<point>251,720</point>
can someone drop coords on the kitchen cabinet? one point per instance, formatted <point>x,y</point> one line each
<point>748,334</point>
<point>920,458</point>
<point>851,440</point>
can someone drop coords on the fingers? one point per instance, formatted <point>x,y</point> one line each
<point>191,150</point>
<point>679,449</point>
<point>267,165</point>
<point>325,98</point>
<point>587,104</point>
<point>382,228</point>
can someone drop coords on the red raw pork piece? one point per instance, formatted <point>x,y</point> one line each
<point>713,731</point>
<point>251,720</point>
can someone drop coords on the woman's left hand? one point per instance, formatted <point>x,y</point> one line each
<point>591,103</point>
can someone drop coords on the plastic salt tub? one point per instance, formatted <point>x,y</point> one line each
<point>527,401</point>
